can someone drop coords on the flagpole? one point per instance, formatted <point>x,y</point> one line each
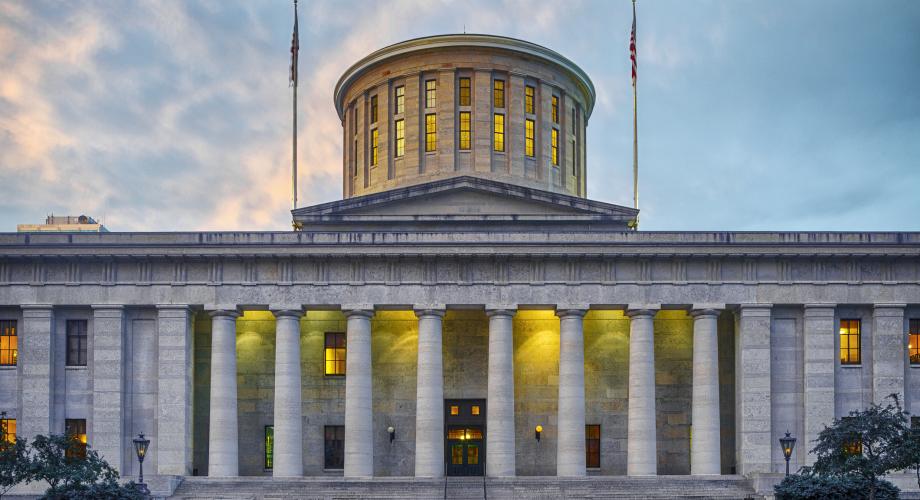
<point>294,141</point>
<point>635,133</point>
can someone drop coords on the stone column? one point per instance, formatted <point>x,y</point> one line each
<point>359,396</point>
<point>429,401</point>
<point>642,444</point>
<point>755,439</point>
<point>705,453</point>
<point>570,450</point>
<point>108,422</point>
<point>223,432</point>
<point>288,423</point>
<point>174,390</point>
<point>35,371</point>
<point>500,415</point>
<point>820,358</point>
<point>888,347</point>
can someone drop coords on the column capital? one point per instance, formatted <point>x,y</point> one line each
<point>363,312</point>
<point>283,311</point>
<point>901,307</point>
<point>700,312</point>
<point>172,307</point>
<point>568,312</point>
<point>217,312</point>
<point>634,312</point>
<point>36,308</point>
<point>430,310</point>
<point>107,306</point>
<point>500,311</point>
<point>755,309</point>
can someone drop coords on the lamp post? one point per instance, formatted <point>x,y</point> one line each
<point>538,431</point>
<point>140,446</point>
<point>392,432</point>
<point>787,443</point>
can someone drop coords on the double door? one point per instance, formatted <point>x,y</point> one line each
<point>465,437</point>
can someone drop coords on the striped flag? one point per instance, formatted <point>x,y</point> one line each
<point>632,46</point>
<point>295,47</point>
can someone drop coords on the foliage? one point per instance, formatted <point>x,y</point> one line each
<point>15,464</point>
<point>814,487</point>
<point>911,451</point>
<point>74,474</point>
<point>867,444</point>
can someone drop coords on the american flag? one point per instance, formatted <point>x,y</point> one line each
<point>295,47</point>
<point>632,46</point>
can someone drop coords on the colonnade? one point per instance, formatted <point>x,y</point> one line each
<point>223,452</point>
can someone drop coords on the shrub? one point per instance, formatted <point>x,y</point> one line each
<point>849,487</point>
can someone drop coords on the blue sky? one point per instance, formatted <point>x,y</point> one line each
<point>175,115</point>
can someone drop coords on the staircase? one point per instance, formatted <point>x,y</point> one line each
<point>613,487</point>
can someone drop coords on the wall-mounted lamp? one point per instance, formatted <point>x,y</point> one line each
<point>538,431</point>
<point>392,432</point>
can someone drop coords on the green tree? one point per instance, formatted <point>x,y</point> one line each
<point>15,464</point>
<point>74,471</point>
<point>911,451</point>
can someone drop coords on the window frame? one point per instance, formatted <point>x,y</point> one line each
<point>529,133</point>
<point>9,342</point>
<point>498,132</point>
<point>374,109</point>
<point>77,342</point>
<point>334,447</point>
<point>849,360</point>
<point>554,146</point>
<point>76,427</point>
<point>375,137</point>
<point>498,94</point>
<point>399,100</point>
<point>554,106</point>
<point>431,133</point>
<point>431,93</point>
<point>465,141</point>
<point>529,95</point>
<point>268,440</point>
<point>5,427</point>
<point>338,365</point>
<point>399,138</point>
<point>913,341</point>
<point>574,162</point>
<point>465,97</point>
<point>589,440</point>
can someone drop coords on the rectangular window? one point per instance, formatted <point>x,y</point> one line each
<point>76,342</point>
<point>356,158</point>
<point>913,342</point>
<point>555,146</point>
<point>335,353</point>
<point>76,427</point>
<point>573,121</point>
<point>850,352</point>
<point>853,447</point>
<point>593,446</point>
<point>9,343</point>
<point>431,132</point>
<point>334,447</point>
<point>574,164</point>
<point>374,136</point>
<point>555,109</point>
<point>400,138</point>
<point>269,446</point>
<point>528,99</point>
<point>499,135</point>
<point>8,429</point>
<point>465,130</point>
<point>498,94</point>
<point>528,137</point>
<point>400,100</point>
<point>475,410</point>
<point>373,109</point>
<point>465,94</point>
<point>431,94</point>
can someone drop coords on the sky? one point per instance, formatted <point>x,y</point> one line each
<point>176,115</point>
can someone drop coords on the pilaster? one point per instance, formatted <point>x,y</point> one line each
<point>107,426</point>
<point>753,405</point>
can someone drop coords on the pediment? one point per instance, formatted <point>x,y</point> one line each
<point>465,199</point>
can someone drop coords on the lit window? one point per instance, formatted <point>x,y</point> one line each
<point>464,130</point>
<point>400,137</point>
<point>854,446</point>
<point>913,342</point>
<point>431,132</point>
<point>475,410</point>
<point>431,94</point>
<point>528,137</point>
<point>400,100</point>
<point>555,109</point>
<point>593,446</point>
<point>528,99</point>
<point>9,343</point>
<point>373,109</point>
<point>498,94</point>
<point>269,446</point>
<point>555,146</point>
<point>335,353</point>
<point>334,446</point>
<point>374,137</point>
<point>465,95</point>
<point>454,410</point>
<point>8,429</point>
<point>499,135</point>
<point>76,428</point>
<point>850,342</point>
<point>76,342</point>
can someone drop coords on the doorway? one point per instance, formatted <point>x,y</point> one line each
<point>465,444</point>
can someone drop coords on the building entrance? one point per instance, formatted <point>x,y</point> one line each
<point>465,430</point>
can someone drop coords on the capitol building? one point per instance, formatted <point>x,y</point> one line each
<point>464,310</point>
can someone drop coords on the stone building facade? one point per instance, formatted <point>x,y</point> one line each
<point>449,310</point>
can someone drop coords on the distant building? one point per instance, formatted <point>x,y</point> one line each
<point>64,224</point>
